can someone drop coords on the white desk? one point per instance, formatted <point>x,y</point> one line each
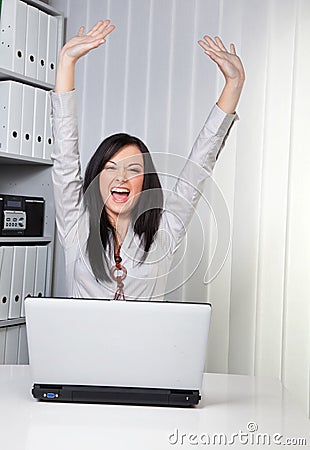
<point>229,403</point>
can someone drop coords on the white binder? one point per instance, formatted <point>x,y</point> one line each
<point>40,273</point>
<point>13,34</point>
<point>27,120</point>
<point>32,31</point>
<point>19,49</point>
<point>48,140</point>
<point>6,258</point>
<point>29,273</point>
<point>22,354</point>
<point>8,19</point>
<point>2,344</point>
<point>38,123</point>
<point>17,282</point>
<point>52,47</point>
<point>10,116</point>
<point>11,345</point>
<point>42,46</point>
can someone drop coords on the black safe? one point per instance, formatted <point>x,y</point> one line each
<point>21,216</point>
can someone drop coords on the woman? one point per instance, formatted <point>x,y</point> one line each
<point>118,232</point>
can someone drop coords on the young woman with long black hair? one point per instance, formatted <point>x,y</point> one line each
<point>118,230</point>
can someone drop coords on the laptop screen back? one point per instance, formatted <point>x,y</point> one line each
<point>117,343</point>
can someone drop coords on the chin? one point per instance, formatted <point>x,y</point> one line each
<point>121,210</point>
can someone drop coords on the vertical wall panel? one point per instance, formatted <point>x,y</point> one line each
<point>91,101</point>
<point>230,30</point>
<point>114,95</point>
<point>183,47</point>
<point>77,11</point>
<point>247,189</point>
<point>159,81</point>
<point>204,72</point>
<point>296,350</point>
<point>201,98</point>
<point>159,89</point>
<point>138,45</point>
<point>276,149</point>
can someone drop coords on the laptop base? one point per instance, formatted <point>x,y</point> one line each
<point>115,395</point>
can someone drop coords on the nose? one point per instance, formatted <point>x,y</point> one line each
<point>121,175</point>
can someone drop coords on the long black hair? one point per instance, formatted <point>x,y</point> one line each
<point>146,213</point>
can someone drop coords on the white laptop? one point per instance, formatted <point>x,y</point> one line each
<point>127,352</point>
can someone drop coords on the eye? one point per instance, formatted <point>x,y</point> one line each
<point>110,168</point>
<point>135,170</point>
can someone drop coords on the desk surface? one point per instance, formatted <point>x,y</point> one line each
<point>230,404</point>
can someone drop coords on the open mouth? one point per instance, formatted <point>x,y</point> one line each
<point>120,194</point>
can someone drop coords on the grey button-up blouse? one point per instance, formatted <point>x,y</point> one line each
<point>144,281</point>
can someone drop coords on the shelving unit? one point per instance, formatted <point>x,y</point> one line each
<point>25,240</point>
<point>6,74</point>
<point>28,176</point>
<point>11,322</point>
<point>11,158</point>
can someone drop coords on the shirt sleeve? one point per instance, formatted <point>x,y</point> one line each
<point>181,202</point>
<point>66,172</point>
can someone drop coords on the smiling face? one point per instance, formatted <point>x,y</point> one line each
<point>121,181</point>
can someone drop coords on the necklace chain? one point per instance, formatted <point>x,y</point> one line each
<point>118,271</point>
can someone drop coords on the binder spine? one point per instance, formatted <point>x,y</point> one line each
<point>8,17</point>
<point>6,258</point>
<point>48,140</point>
<point>20,38</point>
<point>17,282</point>
<point>4,122</point>
<point>27,120</point>
<point>2,342</point>
<point>31,41</point>
<point>42,46</point>
<point>38,124</point>
<point>29,275</point>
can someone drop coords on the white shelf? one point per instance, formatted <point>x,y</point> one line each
<point>6,74</point>
<point>44,7</point>
<point>22,239</point>
<point>13,158</point>
<point>12,322</point>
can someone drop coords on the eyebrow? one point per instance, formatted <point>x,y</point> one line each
<point>135,164</point>
<point>129,165</point>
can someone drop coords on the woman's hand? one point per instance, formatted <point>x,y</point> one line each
<point>228,62</point>
<point>231,67</point>
<point>77,47</point>
<point>82,43</point>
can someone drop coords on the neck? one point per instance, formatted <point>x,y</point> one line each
<point>120,225</point>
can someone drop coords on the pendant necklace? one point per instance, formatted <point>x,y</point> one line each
<point>118,271</point>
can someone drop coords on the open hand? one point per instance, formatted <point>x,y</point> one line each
<point>82,43</point>
<point>228,62</point>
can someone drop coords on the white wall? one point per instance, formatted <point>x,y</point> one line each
<point>152,80</point>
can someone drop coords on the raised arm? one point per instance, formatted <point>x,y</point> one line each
<point>210,141</point>
<point>75,48</point>
<point>231,67</point>
<point>66,172</point>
